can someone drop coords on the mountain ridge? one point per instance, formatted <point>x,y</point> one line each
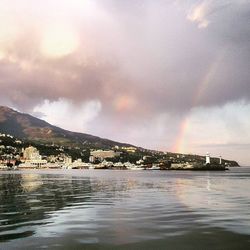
<point>49,138</point>
<point>26,126</point>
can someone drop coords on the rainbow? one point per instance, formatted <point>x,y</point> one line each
<point>180,140</point>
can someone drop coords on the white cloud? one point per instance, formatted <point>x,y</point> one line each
<point>219,130</point>
<point>68,115</point>
<point>198,14</point>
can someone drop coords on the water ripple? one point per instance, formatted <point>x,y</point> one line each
<point>122,207</point>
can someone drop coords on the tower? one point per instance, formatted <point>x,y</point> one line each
<point>220,160</point>
<point>207,158</point>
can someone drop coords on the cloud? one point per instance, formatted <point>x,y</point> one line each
<point>145,62</point>
<point>65,113</point>
<point>150,55</point>
<point>219,130</point>
<point>198,14</point>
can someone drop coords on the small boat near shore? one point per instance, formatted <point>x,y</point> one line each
<point>135,168</point>
<point>154,167</point>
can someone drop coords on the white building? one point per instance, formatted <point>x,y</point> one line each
<point>67,160</point>
<point>220,160</point>
<point>91,159</point>
<point>103,154</point>
<point>32,158</point>
<point>31,153</point>
<point>207,158</point>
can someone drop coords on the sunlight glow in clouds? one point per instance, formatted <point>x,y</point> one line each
<point>59,41</point>
<point>124,103</point>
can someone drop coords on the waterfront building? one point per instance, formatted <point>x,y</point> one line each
<point>67,160</point>
<point>118,164</point>
<point>107,163</point>
<point>91,159</point>
<point>31,153</point>
<point>77,163</point>
<point>32,158</point>
<point>139,162</point>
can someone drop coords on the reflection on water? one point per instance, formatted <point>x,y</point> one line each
<point>124,209</point>
<point>30,182</point>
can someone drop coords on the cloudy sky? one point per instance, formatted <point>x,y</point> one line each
<point>163,74</point>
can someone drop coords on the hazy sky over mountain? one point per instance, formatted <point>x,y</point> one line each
<point>169,75</point>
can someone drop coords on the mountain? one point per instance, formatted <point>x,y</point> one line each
<point>25,126</point>
<point>48,137</point>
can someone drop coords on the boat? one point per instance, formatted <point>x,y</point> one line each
<point>154,167</point>
<point>134,167</point>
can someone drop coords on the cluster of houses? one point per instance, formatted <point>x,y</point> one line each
<point>31,159</point>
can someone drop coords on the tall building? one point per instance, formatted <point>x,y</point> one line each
<point>31,153</point>
<point>32,158</point>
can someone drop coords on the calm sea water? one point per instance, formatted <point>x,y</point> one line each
<point>95,209</point>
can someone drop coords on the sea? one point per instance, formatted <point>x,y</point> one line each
<point>112,209</point>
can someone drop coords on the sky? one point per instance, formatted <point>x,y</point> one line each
<point>169,75</point>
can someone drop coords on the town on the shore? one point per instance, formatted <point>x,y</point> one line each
<point>16,154</point>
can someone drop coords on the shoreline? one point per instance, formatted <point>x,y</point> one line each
<point>113,169</point>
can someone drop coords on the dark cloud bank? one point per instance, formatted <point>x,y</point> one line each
<point>148,50</point>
